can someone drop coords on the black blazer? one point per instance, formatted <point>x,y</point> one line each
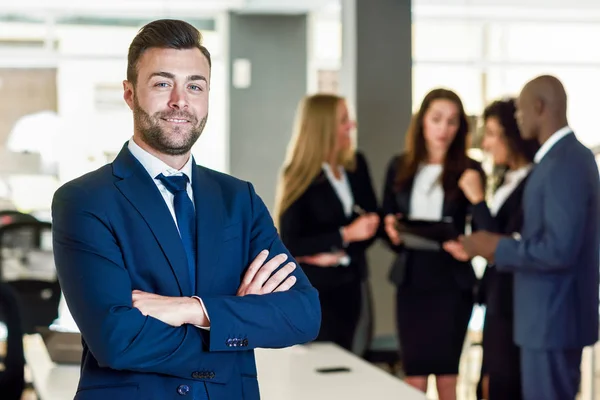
<point>497,287</point>
<point>312,225</point>
<point>456,207</point>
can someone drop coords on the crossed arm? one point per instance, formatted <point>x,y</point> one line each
<point>98,290</point>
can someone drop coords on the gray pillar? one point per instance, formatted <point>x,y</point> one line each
<point>262,114</point>
<point>376,77</point>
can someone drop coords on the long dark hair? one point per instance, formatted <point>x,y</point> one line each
<point>456,160</point>
<point>504,111</point>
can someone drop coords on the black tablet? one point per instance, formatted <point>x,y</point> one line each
<point>435,231</point>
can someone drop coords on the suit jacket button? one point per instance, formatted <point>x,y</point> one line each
<point>211,375</point>
<point>228,342</point>
<point>183,390</point>
<point>196,375</point>
<point>245,342</point>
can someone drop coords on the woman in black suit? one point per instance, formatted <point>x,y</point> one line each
<point>435,291</point>
<point>326,212</point>
<point>513,157</point>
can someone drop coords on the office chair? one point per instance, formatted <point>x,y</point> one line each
<point>28,245</point>
<point>12,378</point>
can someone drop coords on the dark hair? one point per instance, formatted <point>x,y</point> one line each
<point>504,112</point>
<point>456,160</point>
<point>166,34</point>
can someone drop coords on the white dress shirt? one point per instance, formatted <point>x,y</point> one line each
<point>512,179</point>
<point>154,166</point>
<point>427,197</point>
<point>342,188</point>
<point>344,193</point>
<point>552,140</point>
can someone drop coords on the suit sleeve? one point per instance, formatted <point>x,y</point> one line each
<point>389,205</point>
<point>482,218</point>
<point>97,288</point>
<point>299,244</point>
<point>273,320</point>
<point>369,200</point>
<point>555,246</point>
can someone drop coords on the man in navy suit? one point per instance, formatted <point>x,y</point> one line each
<point>555,258</point>
<point>165,265</point>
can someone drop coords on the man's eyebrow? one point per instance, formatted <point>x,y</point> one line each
<point>163,74</point>
<point>197,78</point>
<point>168,75</point>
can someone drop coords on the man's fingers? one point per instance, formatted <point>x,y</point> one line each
<point>255,266</point>
<point>286,285</point>
<point>278,277</point>
<point>265,272</point>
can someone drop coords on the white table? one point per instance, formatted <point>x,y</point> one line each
<point>283,374</point>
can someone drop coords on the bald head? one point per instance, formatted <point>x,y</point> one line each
<point>542,107</point>
<point>550,91</point>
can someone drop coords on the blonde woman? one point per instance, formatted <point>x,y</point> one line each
<point>326,212</point>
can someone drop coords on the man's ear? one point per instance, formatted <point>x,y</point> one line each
<point>128,93</point>
<point>539,106</point>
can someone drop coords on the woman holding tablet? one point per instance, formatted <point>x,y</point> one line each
<point>435,291</point>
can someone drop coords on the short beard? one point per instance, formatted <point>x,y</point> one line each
<point>155,136</point>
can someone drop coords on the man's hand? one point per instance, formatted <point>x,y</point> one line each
<point>481,243</point>
<point>323,259</point>
<point>258,278</point>
<point>174,311</point>
<point>456,249</point>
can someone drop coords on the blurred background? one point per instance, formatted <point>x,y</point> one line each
<point>62,64</point>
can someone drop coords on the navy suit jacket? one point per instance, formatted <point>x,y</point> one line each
<point>113,233</point>
<point>556,260</point>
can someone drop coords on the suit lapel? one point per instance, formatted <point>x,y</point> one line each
<point>141,191</point>
<point>508,207</point>
<point>330,197</point>
<point>210,216</point>
<point>403,199</point>
<point>449,207</point>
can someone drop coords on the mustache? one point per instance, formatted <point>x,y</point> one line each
<point>177,115</point>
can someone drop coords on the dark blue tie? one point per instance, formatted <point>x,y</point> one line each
<point>186,219</point>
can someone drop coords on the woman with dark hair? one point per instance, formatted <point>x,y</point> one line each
<point>513,156</point>
<point>434,297</point>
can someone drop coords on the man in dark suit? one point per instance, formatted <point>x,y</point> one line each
<point>152,250</point>
<point>555,258</point>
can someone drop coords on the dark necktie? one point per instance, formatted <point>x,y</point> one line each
<point>186,219</point>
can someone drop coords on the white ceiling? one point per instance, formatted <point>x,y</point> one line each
<point>512,3</point>
<point>190,8</point>
<point>202,8</point>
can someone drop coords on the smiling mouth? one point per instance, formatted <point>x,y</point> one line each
<point>176,120</point>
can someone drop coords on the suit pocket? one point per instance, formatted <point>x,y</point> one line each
<point>232,231</point>
<point>125,391</point>
<point>250,388</point>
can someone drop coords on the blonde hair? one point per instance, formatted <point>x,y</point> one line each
<point>313,140</point>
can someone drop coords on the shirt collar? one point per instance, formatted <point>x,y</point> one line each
<point>155,166</point>
<point>552,140</point>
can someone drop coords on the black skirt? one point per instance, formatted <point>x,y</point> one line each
<point>431,327</point>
